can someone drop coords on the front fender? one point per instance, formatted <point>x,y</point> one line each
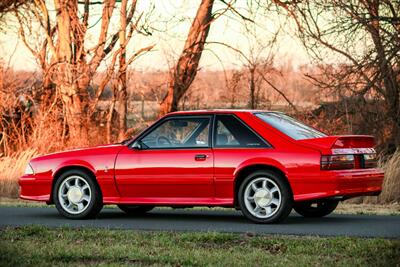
<point>73,163</point>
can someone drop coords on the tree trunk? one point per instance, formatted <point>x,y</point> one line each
<point>389,79</point>
<point>75,119</point>
<point>121,108</point>
<point>66,81</point>
<point>186,68</point>
<point>45,97</point>
<point>252,89</point>
<point>63,51</point>
<point>142,107</point>
<point>169,103</point>
<point>122,96</point>
<point>109,120</point>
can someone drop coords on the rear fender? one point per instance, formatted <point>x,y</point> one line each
<point>260,161</point>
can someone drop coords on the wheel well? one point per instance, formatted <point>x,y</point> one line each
<point>243,173</point>
<point>68,168</point>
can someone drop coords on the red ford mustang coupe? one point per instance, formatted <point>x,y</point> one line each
<point>263,163</point>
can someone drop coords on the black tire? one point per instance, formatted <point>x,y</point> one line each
<point>96,200</point>
<point>282,212</point>
<point>132,209</point>
<point>316,209</point>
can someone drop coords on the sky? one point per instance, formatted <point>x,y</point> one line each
<point>170,21</point>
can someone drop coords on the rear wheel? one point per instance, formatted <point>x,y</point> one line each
<point>265,197</point>
<point>131,209</point>
<point>76,195</point>
<point>316,208</point>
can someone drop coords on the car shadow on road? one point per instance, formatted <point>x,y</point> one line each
<point>220,216</point>
<point>166,216</point>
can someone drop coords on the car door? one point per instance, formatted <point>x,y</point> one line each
<point>170,163</point>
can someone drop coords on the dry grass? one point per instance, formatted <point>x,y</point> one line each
<point>363,208</point>
<point>17,202</point>
<point>391,185</point>
<point>11,168</point>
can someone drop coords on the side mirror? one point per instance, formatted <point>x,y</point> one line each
<point>137,145</point>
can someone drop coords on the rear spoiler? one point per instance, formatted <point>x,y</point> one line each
<point>343,144</point>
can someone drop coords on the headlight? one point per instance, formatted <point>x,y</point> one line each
<point>29,169</point>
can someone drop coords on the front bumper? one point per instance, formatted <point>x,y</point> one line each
<point>343,184</point>
<point>33,188</point>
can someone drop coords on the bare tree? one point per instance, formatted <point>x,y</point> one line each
<point>8,6</point>
<point>366,34</point>
<point>118,79</point>
<point>186,68</point>
<point>232,85</point>
<point>65,58</point>
<point>258,66</point>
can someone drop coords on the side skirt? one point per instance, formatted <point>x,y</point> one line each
<point>170,201</point>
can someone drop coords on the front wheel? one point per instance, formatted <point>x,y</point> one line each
<point>265,197</point>
<point>316,208</point>
<point>77,195</point>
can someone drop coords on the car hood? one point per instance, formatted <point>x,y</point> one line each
<point>78,152</point>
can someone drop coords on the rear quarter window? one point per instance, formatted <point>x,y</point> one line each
<point>231,132</point>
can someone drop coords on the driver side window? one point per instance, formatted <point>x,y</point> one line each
<point>179,133</point>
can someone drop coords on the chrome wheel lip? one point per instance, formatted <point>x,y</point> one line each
<point>262,197</point>
<point>74,194</point>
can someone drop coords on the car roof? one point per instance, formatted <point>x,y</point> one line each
<point>216,111</point>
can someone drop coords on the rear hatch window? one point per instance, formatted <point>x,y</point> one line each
<point>289,126</point>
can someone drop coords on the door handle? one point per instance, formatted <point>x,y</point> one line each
<point>200,157</point>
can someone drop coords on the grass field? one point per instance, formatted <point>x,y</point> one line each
<point>40,246</point>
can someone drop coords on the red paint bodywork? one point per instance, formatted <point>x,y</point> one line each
<point>174,177</point>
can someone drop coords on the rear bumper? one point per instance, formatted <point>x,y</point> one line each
<point>343,184</point>
<point>32,188</point>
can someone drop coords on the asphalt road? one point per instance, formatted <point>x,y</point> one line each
<point>209,220</point>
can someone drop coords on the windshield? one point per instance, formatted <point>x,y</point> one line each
<point>289,126</point>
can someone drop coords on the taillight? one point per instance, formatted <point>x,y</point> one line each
<point>337,162</point>
<point>370,161</point>
<point>343,162</point>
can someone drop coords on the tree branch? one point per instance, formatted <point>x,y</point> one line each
<point>277,90</point>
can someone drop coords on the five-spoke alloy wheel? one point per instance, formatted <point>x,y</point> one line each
<point>264,197</point>
<point>76,195</point>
